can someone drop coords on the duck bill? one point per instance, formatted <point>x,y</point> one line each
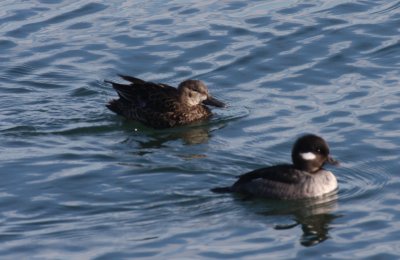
<point>211,101</point>
<point>332,161</point>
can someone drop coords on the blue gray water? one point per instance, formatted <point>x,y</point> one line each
<point>78,182</point>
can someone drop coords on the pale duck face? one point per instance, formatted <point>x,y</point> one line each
<point>195,92</point>
<point>195,97</point>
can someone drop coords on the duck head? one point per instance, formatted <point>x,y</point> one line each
<point>193,92</point>
<point>310,153</point>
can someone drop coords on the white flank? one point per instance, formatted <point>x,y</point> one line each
<point>308,156</point>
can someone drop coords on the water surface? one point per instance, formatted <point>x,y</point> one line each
<point>80,182</point>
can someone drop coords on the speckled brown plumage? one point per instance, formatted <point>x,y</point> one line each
<point>162,106</point>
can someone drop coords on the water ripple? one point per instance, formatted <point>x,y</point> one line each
<point>73,171</point>
<point>27,29</point>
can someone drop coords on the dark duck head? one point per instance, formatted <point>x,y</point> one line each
<point>310,153</point>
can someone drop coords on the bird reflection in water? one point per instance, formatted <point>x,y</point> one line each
<point>313,215</point>
<point>149,140</point>
<point>189,136</point>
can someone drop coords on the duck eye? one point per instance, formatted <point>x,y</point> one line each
<point>318,150</point>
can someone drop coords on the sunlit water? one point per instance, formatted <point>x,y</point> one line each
<point>78,182</point>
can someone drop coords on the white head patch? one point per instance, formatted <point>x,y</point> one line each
<point>308,156</point>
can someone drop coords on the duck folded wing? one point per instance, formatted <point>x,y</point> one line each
<point>142,94</point>
<point>279,173</point>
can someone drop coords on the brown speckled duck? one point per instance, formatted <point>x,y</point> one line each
<point>162,106</point>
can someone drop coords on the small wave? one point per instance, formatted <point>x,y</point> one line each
<point>362,180</point>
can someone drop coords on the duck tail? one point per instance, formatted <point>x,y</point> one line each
<point>117,86</point>
<point>113,106</point>
<point>222,190</point>
<point>109,81</point>
<point>132,79</point>
<point>125,92</point>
